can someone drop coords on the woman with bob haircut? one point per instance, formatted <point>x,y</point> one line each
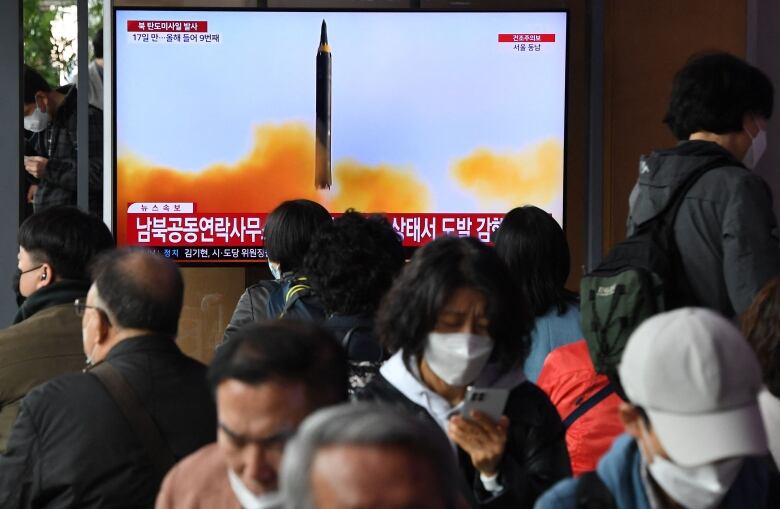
<point>534,248</point>
<point>453,319</point>
<point>288,232</point>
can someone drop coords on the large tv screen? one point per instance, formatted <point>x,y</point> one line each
<point>443,121</point>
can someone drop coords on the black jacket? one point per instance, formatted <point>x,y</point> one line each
<point>356,334</point>
<point>535,456</point>
<point>72,447</point>
<point>726,229</point>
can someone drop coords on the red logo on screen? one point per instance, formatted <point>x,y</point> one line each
<point>526,37</point>
<point>167,26</point>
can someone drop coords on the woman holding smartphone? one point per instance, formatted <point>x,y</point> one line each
<point>453,319</point>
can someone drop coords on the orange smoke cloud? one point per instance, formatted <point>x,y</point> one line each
<point>279,167</point>
<point>380,188</point>
<point>512,179</point>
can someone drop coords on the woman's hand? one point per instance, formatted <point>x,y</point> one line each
<point>483,440</point>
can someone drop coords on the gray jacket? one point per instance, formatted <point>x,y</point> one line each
<point>726,229</point>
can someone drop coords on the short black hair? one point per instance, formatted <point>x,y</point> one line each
<point>352,262</point>
<point>287,351</point>
<point>410,309</point>
<point>140,289</point>
<point>289,229</point>
<point>534,248</point>
<point>33,82</point>
<point>66,238</point>
<point>713,92</point>
<point>97,43</point>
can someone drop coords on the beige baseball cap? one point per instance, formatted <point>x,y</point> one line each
<point>698,380</point>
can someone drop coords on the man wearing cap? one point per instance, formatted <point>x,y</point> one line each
<point>695,437</point>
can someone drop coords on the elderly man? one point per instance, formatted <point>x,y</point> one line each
<point>55,248</point>
<point>106,437</point>
<point>364,455</point>
<point>266,379</point>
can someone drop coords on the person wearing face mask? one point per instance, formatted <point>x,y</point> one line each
<point>726,229</point>
<point>55,249</point>
<point>50,115</point>
<point>266,380</point>
<point>694,434</point>
<point>288,232</point>
<point>454,319</point>
<point>74,442</point>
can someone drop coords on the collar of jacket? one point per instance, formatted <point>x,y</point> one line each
<point>154,342</point>
<point>61,292</point>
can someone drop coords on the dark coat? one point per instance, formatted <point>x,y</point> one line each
<point>44,342</point>
<point>535,457</point>
<point>58,143</point>
<point>725,229</point>
<point>72,447</point>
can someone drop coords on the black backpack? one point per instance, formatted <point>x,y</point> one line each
<point>295,298</point>
<point>640,277</point>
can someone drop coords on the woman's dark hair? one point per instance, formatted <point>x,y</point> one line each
<point>534,248</point>
<point>282,350</point>
<point>66,238</point>
<point>713,92</point>
<point>410,309</point>
<point>289,229</point>
<point>761,327</point>
<point>352,262</point>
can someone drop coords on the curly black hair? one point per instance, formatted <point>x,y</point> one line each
<point>534,248</point>
<point>352,262</point>
<point>761,327</point>
<point>713,92</point>
<point>411,307</point>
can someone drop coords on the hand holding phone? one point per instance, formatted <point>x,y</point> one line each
<point>490,402</point>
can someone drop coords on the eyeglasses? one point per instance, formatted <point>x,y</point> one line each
<point>80,305</point>
<point>22,272</point>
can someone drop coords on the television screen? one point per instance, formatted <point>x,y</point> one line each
<point>442,121</point>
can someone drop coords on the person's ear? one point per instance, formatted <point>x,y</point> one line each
<point>47,276</point>
<point>631,419</point>
<point>104,328</point>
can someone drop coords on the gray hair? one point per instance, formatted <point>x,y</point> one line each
<point>367,424</point>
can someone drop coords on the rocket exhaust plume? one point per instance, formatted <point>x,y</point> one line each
<point>322,174</point>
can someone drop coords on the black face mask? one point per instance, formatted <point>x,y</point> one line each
<point>16,277</point>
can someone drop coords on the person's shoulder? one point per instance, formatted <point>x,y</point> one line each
<point>529,406</point>
<point>562,495</point>
<point>57,393</point>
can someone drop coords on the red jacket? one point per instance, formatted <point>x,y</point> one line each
<point>569,379</point>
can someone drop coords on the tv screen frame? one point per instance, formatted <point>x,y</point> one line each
<point>111,157</point>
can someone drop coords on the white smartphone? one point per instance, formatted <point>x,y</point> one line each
<point>490,402</point>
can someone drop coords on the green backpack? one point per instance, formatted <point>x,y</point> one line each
<point>640,277</point>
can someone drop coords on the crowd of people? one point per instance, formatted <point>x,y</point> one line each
<point>460,378</point>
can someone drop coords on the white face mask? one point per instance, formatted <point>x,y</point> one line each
<point>90,359</point>
<point>36,121</point>
<point>700,487</point>
<point>756,150</point>
<point>275,270</point>
<point>249,500</point>
<point>458,357</point>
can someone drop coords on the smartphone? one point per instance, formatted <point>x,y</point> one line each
<point>490,402</point>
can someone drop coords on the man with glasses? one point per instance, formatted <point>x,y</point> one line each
<point>266,380</point>
<point>77,441</point>
<point>55,247</point>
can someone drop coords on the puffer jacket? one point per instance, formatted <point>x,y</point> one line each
<point>726,229</point>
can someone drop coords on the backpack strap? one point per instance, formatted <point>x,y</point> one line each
<point>589,403</point>
<point>592,493</point>
<point>298,288</point>
<point>157,450</point>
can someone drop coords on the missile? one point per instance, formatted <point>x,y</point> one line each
<point>322,174</point>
